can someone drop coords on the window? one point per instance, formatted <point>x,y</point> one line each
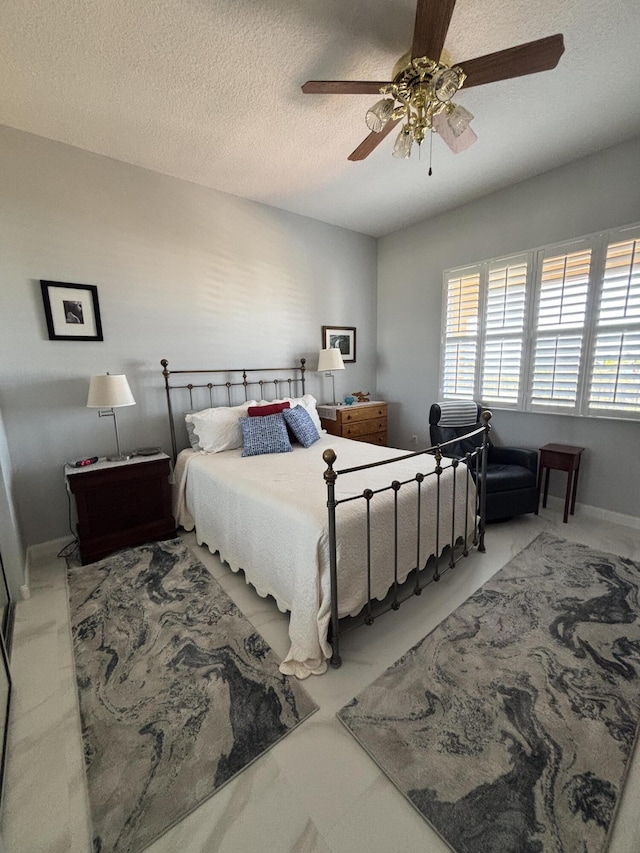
<point>504,330</point>
<point>556,329</point>
<point>560,324</point>
<point>461,323</point>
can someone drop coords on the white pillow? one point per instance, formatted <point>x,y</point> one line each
<point>193,438</point>
<point>219,429</point>
<point>307,402</point>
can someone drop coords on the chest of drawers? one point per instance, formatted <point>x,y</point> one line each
<point>362,422</point>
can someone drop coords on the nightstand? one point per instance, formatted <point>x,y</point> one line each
<point>560,457</point>
<point>360,421</point>
<point>121,504</point>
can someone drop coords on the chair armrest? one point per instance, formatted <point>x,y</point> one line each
<point>515,456</point>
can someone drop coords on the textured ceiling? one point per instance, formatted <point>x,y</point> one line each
<point>209,91</point>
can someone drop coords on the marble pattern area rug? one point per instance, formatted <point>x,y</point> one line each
<point>510,727</point>
<point>178,692</point>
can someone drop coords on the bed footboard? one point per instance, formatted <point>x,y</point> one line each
<point>428,501</point>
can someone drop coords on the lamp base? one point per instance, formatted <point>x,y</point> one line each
<point>123,457</point>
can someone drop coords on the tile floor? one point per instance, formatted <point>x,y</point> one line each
<point>316,790</point>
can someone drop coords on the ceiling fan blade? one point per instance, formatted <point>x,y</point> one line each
<point>529,58</point>
<point>430,29</point>
<point>372,141</point>
<point>342,87</point>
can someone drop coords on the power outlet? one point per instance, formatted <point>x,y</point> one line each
<point>414,440</point>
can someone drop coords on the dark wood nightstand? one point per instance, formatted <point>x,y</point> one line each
<point>121,504</point>
<point>560,457</point>
<point>361,421</point>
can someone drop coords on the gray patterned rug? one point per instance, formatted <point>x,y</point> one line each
<point>178,692</point>
<point>510,727</point>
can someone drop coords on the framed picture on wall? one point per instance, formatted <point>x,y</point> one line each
<point>72,311</point>
<point>342,338</point>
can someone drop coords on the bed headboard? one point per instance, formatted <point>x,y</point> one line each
<point>192,390</point>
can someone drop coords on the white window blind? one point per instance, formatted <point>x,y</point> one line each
<point>504,330</point>
<point>615,375</point>
<point>560,319</point>
<point>461,333</point>
<point>552,330</point>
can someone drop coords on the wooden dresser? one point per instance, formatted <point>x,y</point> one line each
<point>361,421</point>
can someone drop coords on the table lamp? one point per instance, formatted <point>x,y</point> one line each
<point>328,361</point>
<point>107,393</point>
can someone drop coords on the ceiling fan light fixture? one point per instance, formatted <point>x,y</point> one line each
<point>423,88</point>
<point>458,118</point>
<point>379,114</point>
<point>399,112</point>
<point>402,147</point>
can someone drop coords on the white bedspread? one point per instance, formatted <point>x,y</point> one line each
<point>268,515</point>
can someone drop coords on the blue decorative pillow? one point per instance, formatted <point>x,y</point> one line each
<point>300,423</point>
<point>264,435</point>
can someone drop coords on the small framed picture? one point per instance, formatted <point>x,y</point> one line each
<point>72,311</point>
<point>342,338</point>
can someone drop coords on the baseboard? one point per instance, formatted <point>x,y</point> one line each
<point>45,551</point>
<point>596,512</point>
<point>38,554</point>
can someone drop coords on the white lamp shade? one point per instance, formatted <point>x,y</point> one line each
<point>109,391</point>
<point>330,359</point>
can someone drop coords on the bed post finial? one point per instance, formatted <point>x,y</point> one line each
<point>329,456</point>
<point>303,361</point>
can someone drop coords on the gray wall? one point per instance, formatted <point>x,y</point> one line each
<point>11,546</point>
<point>586,196</point>
<point>200,277</point>
<point>183,272</point>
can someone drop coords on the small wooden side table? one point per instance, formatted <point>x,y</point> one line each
<point>561,457</point>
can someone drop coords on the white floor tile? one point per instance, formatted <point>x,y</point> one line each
<point>316,791</point>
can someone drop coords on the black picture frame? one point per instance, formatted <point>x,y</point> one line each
<point>342,337</point>
<point>72,311</point>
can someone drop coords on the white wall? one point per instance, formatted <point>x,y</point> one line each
<point>589,195</point>
<point>183,272</point>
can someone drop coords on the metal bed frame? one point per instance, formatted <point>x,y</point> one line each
<point>292,382</point>
<point>427,569</point>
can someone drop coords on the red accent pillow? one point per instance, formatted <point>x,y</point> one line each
<point>272,409</point>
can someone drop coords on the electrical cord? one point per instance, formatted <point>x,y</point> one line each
<point>71,548</point>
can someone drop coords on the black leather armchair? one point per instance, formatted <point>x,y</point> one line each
<point>511,471</point>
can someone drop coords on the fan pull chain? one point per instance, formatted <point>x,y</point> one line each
<point>430,152</point>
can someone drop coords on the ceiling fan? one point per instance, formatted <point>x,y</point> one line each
<point>423,82</point>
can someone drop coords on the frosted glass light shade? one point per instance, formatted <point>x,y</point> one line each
<point>402,147</point>
<point>109,391</point>
<point>447,83</point>
<point>379,114</point>
<point>459,119</point>
<point>330,359</point>
<point>455,143</point>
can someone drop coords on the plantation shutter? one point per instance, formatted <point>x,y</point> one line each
<point>560,321</point>
<point>504,331</point>
<point>615,367</point>
<point>461,328</point>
